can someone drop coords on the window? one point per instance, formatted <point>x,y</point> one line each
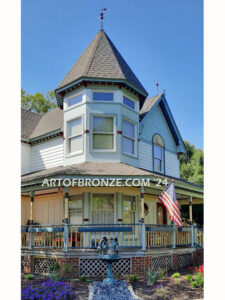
<point>99,96</point>
<point>103,133</point>
<point>76,209</point>
<point>158,153</point>
<point>75,99</point>
<point>128,102</point>
<point>102,209</point>
<point>129,209</point>
<point>128,137</point>
<point>75,137</point>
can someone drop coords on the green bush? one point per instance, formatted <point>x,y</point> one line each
<point>189,277</point>
<point>82,278</point>
<point>133,278</point>
<point>54,274</point>
<point>29,276</point>
<point>152,277</point>
<point>161,272</point>
<point>177,280</point>
<point>176,275</point>
<point>162,293</point>
<point>194,284</point>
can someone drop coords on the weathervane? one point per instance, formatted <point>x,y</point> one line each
<point>157,87</point>
<point>102,16</point>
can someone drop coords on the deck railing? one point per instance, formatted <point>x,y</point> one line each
<point>129,235</point>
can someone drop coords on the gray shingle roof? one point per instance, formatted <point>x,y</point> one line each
<point>102,60</point>
<point>51,121</point>
<point>96,169</point>
<point>34,125</point>
<point>148,104</point>
<point>29,121</point>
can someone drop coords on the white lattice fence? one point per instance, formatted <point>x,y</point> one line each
<point>162,262</point>
<point>42,265</point>
<point>184,260</point>
<point>96,267</point>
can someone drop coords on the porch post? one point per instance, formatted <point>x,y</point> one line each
<point>190,209</point>
<point>174,235</point>
<point>86,217</point>
<point>143,242</point>
<point>66,219</point>
<point>31,236</point>
<point>119,216</point>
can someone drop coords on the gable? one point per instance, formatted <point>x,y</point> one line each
<point>155,122</point>
<point>158,105</point>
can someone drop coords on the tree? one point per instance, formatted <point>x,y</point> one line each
<point>192,164</point>
<point>37,102</point>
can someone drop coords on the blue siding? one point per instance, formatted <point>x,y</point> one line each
<point>154,122</point>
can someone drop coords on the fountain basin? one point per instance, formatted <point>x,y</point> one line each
<point>109,257</point>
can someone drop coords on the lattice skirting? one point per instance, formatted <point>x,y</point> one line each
<point>96,267</point>
<point>162,262</point>
<point>42,265</point>
<point>184,260</point>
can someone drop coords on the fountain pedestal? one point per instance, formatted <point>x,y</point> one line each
<point>109,259</point>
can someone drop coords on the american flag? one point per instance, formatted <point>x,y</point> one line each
<point>169,199</point>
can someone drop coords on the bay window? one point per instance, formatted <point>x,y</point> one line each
<point>129,137</point>
<point>75,136</point>
<point>103,133</point>
<point>158,153</point>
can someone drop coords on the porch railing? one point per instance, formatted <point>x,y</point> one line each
<point>129,235</point>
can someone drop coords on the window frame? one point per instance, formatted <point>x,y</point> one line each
<point>68,98</point>
<point>76,210</point>
<point>133,139</point>
<point>102,91</point>
<point>162,161</point>
<point>133,212</point>
<point>68,138</point>
<point>113,133</point>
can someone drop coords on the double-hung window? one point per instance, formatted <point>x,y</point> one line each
<point>76,209</point>
<point>158,153</point>
<point>103,133</point>
<point>102,96</point>
<point>129,137</point>
<point>75,136</point>
<point>129,209</point>
<point>102,208</point>
<point>128,102</point>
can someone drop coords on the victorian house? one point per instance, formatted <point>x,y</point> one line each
<point>105,127</point>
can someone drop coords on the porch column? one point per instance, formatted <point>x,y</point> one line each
<point>31,208</point>
<point>143,242</point>
<point>86,217</point>
<point>31,236</point>
<point>66,218</point>
<point>119,216</point>
<point>190,209</point>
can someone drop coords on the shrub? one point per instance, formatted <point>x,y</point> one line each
<point>55,272</point>
<point>189,277</point>
<point>162,293</point>
<point>161,272</point>
<point>177,280</point>
<point>82,278</point>
<point>152,277</point>
<point>29,276</point>
<point>133,278</point>
<point>176,275</point>
<point>48,290</point>
<point>194,284</point>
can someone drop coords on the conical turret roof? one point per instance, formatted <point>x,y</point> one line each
<point>101,60</point>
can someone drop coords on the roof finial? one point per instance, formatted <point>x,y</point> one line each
<point>157,87</point>
<point>102,16</point>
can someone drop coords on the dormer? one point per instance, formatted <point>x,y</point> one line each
<point>101,98</point>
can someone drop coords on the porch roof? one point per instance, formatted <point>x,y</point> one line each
<point>100,169</point>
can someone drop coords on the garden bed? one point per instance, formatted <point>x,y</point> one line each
<point>175,289</point>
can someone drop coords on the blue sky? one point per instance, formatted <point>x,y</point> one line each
<point>160,39</point>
